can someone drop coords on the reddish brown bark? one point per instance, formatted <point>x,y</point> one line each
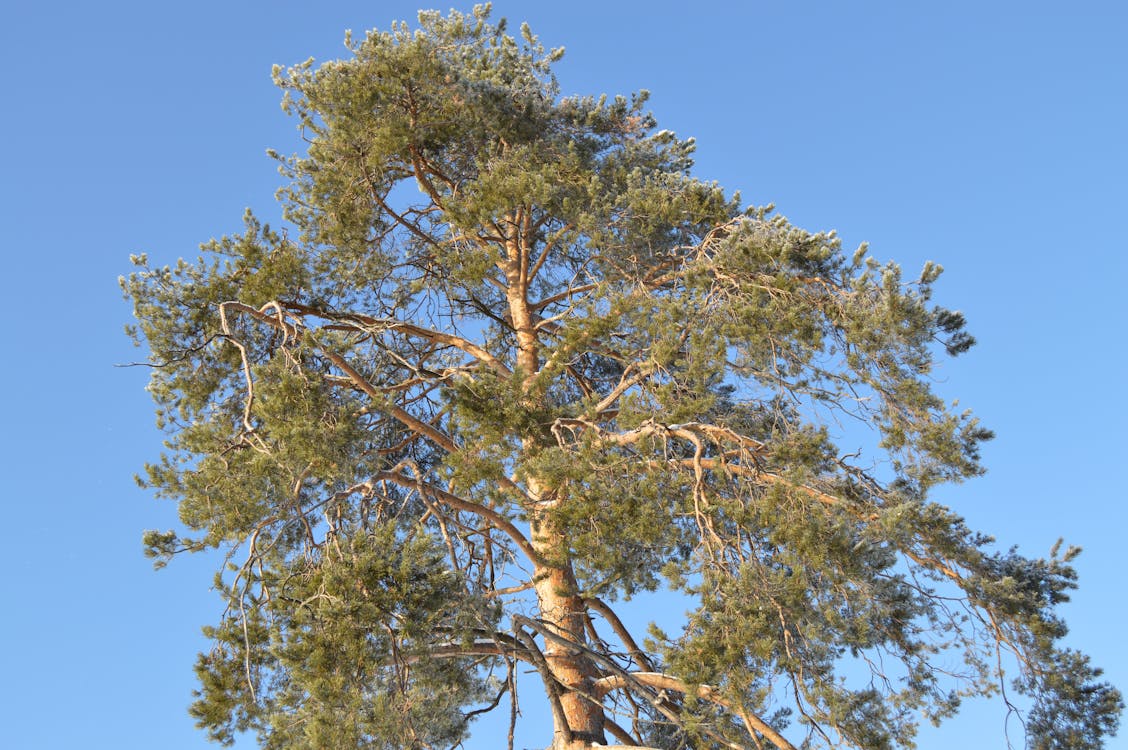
<point>562,611</point>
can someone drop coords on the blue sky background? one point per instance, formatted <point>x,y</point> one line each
<point>991,137</point>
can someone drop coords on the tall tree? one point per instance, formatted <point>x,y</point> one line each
<point>511,364</point>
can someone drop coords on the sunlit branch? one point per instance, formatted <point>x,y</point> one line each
<point>692,431</point>
<point>246,365</point>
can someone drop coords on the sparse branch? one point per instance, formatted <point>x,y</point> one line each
<point>633,374</point>
<point>660,681</point>
<point>561,296</point>
<point>424,170</point>
<point>370,324</point>
<point>551,687</point>
<point>620,734</point>
<point>508,590</point>
<point>492,517</point>
<point>621,631</point>
<point>480,648</point>
<point>546,250</point>
<point>433,433</point>
<point>400,219</point>
<point>411,422</point>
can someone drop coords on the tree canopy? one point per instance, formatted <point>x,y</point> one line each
<point>508,364</point>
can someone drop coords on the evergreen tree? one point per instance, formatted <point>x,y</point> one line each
<point>511,364</point>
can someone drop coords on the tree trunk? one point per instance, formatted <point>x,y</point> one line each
<point>562,611</point>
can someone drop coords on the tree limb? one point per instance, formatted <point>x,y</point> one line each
<point>661,681</point>
<point>368,323</point>
<point>495,519</point>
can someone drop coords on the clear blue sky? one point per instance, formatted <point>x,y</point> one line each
<point>991,137</point>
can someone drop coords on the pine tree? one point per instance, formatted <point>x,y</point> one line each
<point>509,364</point>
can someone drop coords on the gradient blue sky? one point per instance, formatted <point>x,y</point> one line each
<point>991,137</point>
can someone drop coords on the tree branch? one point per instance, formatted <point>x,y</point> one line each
<point>369,324</point>
<point>551,687</point>
<point>495,519</point>
<point>616,624</point>
<point>660,681</point>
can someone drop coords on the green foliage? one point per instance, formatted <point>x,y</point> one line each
<point>317,673</point>
<point>511,357</point>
